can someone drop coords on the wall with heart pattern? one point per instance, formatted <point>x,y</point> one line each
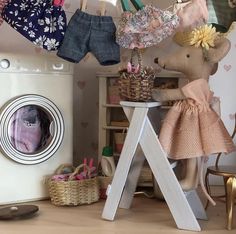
<point>223,83</point>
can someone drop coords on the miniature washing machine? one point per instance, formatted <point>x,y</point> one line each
<point>36,123</point>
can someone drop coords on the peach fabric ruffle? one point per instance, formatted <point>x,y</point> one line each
<point>192,128</point>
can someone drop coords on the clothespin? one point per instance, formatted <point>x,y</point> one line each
<point>85,164</point>
<point>83,5</point>
<point>58,2</point>
<point>102,7</point>
<point>90,163</point>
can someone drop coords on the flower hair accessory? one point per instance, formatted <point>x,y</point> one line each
<point>204,36</point>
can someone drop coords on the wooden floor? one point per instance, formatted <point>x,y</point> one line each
<point>146,216</point>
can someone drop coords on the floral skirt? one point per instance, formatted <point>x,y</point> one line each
<point>147,27</point>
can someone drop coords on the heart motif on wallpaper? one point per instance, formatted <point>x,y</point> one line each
<point>81,84</point>
<point>232,116</point>
<point>227,67</point>
<point>84,124</point>
<point>67,6</point>
<point>37,50</point>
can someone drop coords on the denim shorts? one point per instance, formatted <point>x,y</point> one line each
<point>90,33</point>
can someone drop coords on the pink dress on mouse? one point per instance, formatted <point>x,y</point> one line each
<point>192,128</point>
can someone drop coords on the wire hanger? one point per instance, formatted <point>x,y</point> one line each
<point>136,3</point>
<point>125,5</point>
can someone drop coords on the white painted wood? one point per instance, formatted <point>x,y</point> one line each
<point>123,166</point>
<point>126,200</point>
<point>136,167</point>
<point>167,181</point>
<point>141,130</point>
<point>132,180</point>
<point>128,112</point>
<point>140,104</point>
<point>196,204</point>
<point>192,197</point>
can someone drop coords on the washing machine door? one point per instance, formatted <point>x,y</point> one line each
<point>31,128</point>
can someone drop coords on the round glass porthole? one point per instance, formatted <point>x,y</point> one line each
<point>31,128</point>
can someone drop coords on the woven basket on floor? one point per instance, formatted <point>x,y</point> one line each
<point>104,182</point>
<point>74,192</point>
<point>137,86</point>
<point>65,168</point>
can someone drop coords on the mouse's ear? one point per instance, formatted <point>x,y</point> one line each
<point>219,51</point>
<point>214,69</point>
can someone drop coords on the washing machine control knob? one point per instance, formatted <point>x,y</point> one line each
<point>4,63</point>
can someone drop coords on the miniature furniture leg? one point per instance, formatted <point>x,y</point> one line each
<point>123,166</point>
<point>142,132</point>
<point>132,180</point>
<point>134,172</point>
<point>196,204</point>
<point>130,186</point>
<point>231,194</point>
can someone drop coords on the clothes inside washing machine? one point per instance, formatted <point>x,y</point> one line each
<point>29,129</point>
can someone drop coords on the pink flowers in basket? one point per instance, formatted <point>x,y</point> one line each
<point>89,171</point>
<point>132,68</point>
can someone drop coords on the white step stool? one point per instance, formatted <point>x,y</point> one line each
<point>130,164</point>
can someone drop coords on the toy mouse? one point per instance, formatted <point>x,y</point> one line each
<point>191,128</point>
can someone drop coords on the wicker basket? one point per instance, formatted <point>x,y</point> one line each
<point>74,192</point>
<point>104,181</point>
<point>65,169</point>
<point>138,86</point>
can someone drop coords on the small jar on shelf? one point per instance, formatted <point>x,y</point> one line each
<point>119,139</point>
<point>113,92</point>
